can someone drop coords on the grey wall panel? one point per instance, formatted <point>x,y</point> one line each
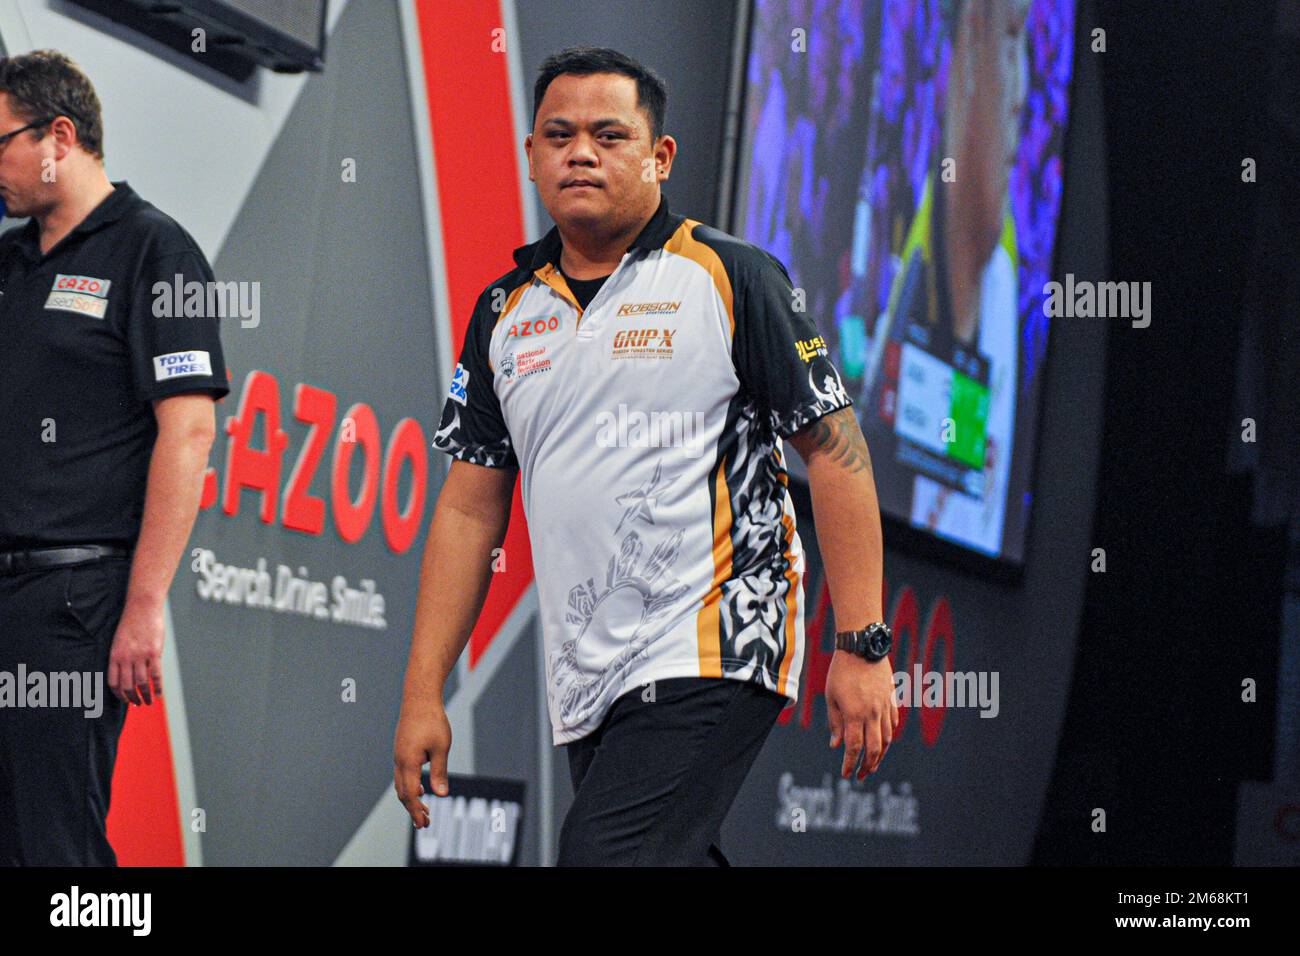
<point>284,768</point>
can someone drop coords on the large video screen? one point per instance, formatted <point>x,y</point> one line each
<point>902,158</point>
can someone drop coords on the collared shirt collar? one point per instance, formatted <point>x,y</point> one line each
<point>653,235</point>
<point>111,208</point>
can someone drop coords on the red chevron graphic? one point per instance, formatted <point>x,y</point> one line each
<point>467,87</point>
<point>144,818</point>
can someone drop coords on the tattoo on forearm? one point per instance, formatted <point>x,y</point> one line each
<point>838,436</point>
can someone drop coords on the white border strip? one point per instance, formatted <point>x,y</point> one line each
<point>428,174</point>
<point>521,103</point>
<point>178,733</point>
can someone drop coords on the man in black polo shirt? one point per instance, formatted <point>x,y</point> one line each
<point>106,419</point>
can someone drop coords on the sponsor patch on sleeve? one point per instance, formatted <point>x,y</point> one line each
<point>459,390</point>
<point>180,365</point>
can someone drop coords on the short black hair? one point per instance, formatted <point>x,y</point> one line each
<point>46,83</point>
<point>651,91</point>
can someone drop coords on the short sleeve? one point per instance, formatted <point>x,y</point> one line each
<point>173,336</point>
<point>780,357</point>
<point>472,426</point>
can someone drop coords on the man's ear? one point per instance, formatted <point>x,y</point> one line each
<point>65,136</point>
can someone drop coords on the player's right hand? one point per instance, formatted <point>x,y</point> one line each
<point>423,735</point>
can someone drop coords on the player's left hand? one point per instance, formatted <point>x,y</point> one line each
<point>863,712</point>
<point>135,661</point>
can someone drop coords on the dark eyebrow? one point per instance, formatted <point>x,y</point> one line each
<point>596,124</point>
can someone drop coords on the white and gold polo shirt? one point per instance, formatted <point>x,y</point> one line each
<point>647,430</point>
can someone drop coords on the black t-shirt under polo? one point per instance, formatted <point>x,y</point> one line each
<point>584,290</point>
<point>83,353</point>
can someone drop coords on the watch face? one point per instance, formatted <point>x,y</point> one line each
<point>871,643</point>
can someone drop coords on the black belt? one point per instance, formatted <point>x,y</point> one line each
<point>16,562</point>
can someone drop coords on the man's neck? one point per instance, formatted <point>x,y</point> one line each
<point>62,218</point>
<point>588,256</point>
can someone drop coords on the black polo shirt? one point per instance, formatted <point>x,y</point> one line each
<point>83,353</point>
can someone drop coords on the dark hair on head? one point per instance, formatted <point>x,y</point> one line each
<point>47,83</point>
<point>651,91</point>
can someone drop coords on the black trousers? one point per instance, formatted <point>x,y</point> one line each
<point>655,781</point>
<point>56,763</point>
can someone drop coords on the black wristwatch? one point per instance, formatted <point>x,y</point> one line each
<point>872,643</point>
